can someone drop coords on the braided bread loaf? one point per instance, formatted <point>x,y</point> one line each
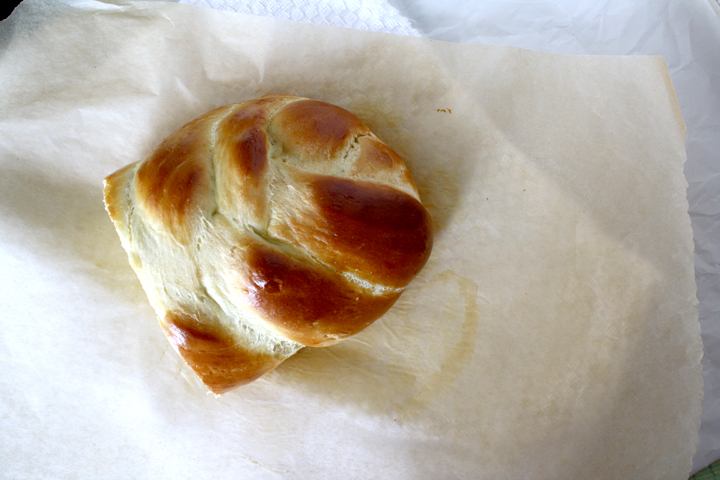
<point>265,226</point>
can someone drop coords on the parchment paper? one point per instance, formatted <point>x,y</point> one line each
<point>553,332</point>
<point>686,33</point>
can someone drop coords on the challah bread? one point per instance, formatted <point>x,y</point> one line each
<point>265,226</point>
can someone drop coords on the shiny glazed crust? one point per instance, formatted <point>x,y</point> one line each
<point>265,226</point>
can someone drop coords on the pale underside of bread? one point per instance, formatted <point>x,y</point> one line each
<point>221,245</point>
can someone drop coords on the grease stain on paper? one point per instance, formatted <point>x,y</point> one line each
<point>405,361</point>
<point>460,355</point>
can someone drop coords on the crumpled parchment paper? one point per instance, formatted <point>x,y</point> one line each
<point>553,332</point>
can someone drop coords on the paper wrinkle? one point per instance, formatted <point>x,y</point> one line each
<point>550,309</point>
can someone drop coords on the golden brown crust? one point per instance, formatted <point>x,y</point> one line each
<point>379,160</point>
<point>284,217</point>
<point>241,159</point>
<point>172,186</point>
<point>302,300</point>
<point>315,131</point>
<point>218,359</point>
<point>374,231</point>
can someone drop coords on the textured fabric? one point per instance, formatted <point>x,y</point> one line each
<point>374,15</point>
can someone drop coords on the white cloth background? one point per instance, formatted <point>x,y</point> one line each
<point>374,15</point>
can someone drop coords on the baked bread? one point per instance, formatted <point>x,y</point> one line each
<point>265,226</point>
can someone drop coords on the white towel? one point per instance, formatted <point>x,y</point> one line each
<point>375,15</point>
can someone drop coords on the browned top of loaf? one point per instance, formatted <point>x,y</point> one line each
<point>356,216</point>
<point>326,218</point>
